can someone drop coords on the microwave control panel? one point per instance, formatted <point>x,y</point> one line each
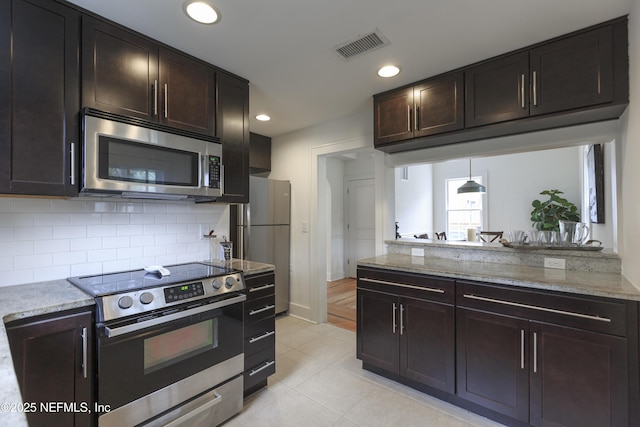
<point>215,170</point>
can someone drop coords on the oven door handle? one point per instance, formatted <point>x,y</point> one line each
<point>180,421</point>
<point>114,332</point>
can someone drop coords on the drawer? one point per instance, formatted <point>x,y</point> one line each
<point>580,311</point>
<point>259,309</point>
<point>259,336</point>
<point>431,288</point>
<point>259,366</point>
<point>260,286</point>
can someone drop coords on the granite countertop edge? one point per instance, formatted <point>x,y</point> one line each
<point>35,299</point>
<point>608,285</point>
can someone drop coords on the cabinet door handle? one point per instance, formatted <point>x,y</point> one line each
<point>85,349</point>
<point>522,90</point>
<point>166,98</point>
<point>402,285</point>
<point>72,175</point>
<point>259,337</point>
<point>260,310</point>
<point>401,319</point>
<point>535,352</point>
<point>261,288</point>
<point>155,97</point>
<point>415,117</point>
<point>521,348</point>
<point>262,368</point>
<point>538,308</point>
<point>408,118</point>
<point>535,89</point>
<point>395,308</point>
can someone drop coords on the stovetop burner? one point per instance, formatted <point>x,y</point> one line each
<point>113,283</point>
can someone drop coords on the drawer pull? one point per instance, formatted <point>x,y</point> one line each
<point>535,307</point>
<point>420,288</point>
<point>260,310</point>
<point>261,288</point>
<point>262,368</point>
<point>258,338</point>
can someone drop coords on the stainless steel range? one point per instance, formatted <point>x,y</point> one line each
<point>170,346</point>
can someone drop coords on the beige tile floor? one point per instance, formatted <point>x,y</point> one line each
<point>319,382</point>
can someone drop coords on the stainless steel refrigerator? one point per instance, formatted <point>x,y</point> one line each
<point>261,232</point>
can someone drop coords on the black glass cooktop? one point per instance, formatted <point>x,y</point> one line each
<point>113,283</point>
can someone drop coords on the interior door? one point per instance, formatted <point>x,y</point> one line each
<point>361,228</point>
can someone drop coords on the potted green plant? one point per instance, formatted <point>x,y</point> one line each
<point>546,215</point>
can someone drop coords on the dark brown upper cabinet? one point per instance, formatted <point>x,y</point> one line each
<point>232,109</point>
<point>431,107</point>
<point>39,97</point>
<point>497,91</point>
<point>127,74</point>
<point>573,73</point>
<point>259,154</point>
<point>578,78</point>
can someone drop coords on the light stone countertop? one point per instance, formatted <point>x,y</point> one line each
<point>603,284</point>
<point>23,301</point>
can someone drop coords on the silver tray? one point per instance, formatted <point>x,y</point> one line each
<point>588,246</point>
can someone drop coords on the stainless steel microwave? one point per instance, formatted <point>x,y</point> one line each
<point>136,159</point>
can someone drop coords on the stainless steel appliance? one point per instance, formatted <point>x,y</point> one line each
<point>262,231</point>
<point>136,159</point>
<point>170,347</point>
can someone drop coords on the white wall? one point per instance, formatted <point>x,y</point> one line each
<point>513,182</point>
<point>414,201</point>
<point>629,157</point>
<point>43,239</point>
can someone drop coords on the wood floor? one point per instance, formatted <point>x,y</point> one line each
<point>341,303</point>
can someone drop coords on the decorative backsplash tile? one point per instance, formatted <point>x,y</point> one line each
<point>42,239</point>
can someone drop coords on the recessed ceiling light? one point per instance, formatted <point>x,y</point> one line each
<point>263,117</point>
<point>201,11</point>
<point>388,71</point>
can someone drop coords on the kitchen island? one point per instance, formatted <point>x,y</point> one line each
<point>489,329</point>
<point>46,298</point>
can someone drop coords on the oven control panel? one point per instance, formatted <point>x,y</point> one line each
<point>154,299</point>
<point>183,292</point>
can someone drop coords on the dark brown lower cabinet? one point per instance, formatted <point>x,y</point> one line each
<point>545,359</point>
<point>521,356</point>
<point>259,331</point>
<point>53,360</point>
<point>408,330</point>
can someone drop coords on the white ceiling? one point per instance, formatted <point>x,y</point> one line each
<point>285,47</point>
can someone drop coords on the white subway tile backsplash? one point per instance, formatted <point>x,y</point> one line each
<point>102,255</point>
<point>53,239</point>
<point>52,246</point>
<point>116,242</point>
<point>32,205</point>
<point>70,258</point>
<point>102,231</point>
<point>33,233</point>
<point>24,262</point>
<point>69,232</point>
<point>86,244</point>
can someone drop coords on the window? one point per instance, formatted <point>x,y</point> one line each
<point>463,210</point>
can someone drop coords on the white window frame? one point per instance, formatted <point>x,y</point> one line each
<point>481,179</point>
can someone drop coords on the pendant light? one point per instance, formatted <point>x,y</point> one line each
<point>471,186</point>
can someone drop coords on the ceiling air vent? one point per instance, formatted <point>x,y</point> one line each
<point>361,45</point>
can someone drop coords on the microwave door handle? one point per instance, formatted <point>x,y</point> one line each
<point>222,179</point>
<point>205,171</point>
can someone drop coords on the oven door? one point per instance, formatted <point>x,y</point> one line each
<point>154,359</point>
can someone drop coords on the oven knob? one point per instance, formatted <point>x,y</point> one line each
<point>217,283</point>
<point>230,281</point>
<point>146,297</point>
<point>125,302</point>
